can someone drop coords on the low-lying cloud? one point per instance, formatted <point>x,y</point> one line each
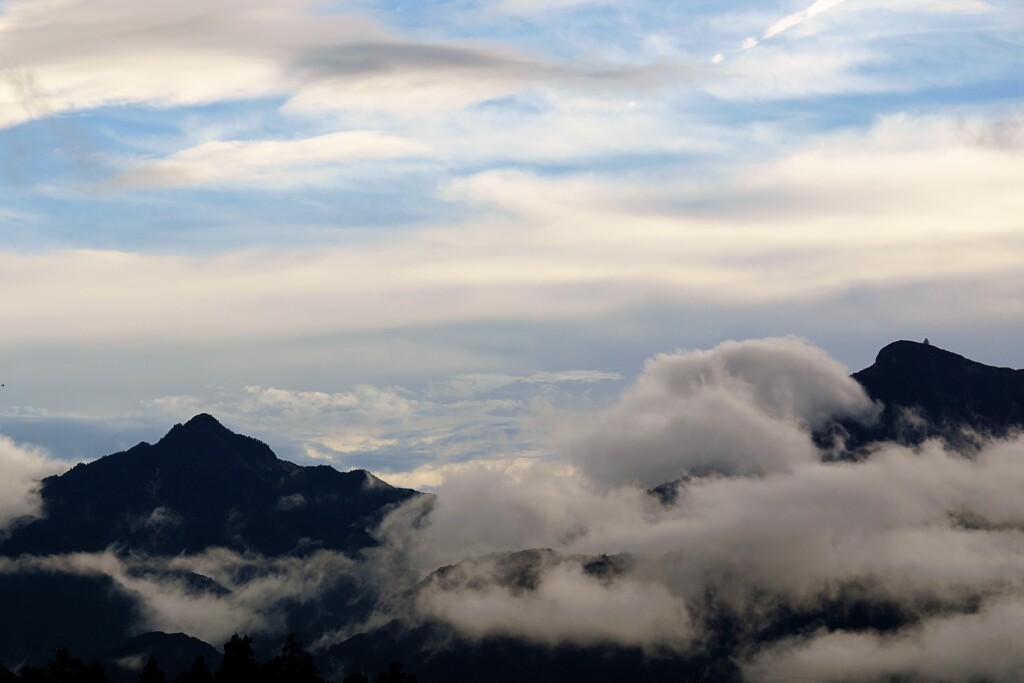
<point>905,563</point>
<point>210,595</point>
<point>21,468</point>
<point>928,540</point>
<point>740,408</point>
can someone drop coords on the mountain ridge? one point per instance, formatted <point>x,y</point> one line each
<point>200,486</point>
<point>929,392</point>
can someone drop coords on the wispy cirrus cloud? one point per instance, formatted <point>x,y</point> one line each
<point>65,56</point>
<point>267,162</point>
<point>797,18</point>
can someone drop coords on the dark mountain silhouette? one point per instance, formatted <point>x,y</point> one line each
<point>176,652</point>
<point>202,486</point>
<point>929,392</point>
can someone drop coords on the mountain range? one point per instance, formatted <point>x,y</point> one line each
<point>202,487</point>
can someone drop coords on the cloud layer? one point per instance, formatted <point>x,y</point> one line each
<point>927,536</point>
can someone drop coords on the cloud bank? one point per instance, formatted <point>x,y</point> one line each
<point>927,540</point>
<point>21,468</point>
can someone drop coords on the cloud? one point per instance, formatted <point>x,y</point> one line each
<point>262,162</point>
<point>84,55</point>
<point>409,436</point>
<point>924,536</point>
<point>21,468</point>
<point>982,645</point>
<point>567,606</point>
<point>797,18</point>
<point>211,595</point>
<point>740,408</point>
<point>796,542</point>
<point>551,247</point>
<point>81,55</point>
<point>476,383</point>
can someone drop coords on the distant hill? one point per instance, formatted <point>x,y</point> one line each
<point>928,392</point>
<point>202,486</point>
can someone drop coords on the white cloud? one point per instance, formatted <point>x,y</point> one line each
<point>248,601</point>
<point>567,606</point>
<point>62,55</point>
<point>410,437</point>
<point>887,526</point>
<point>983,645</point>
<point>21,468</point>
<point>265,162</point>
<point>740,408</point>
<point>797,18</point>
<point>844,211</point>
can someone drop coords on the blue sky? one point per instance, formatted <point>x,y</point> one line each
<point>402,235</point>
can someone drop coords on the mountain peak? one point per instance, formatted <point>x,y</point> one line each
<point>202,431</point>
<point>930,392</point>
<point>903,352</point>
<point>204,420</point>
<point>204,486</point>
<point>202,423</point>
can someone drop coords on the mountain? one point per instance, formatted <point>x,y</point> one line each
<point>928,392</point>
<point>202,486</point>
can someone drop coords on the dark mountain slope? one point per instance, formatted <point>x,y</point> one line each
<point>928,392</point>
<point>202,486</point>
<point>945,388</point>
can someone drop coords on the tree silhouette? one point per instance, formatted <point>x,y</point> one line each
<point>151,673</point>
<point>6,675</point>
<point>239,664</point>
<point>197,673</point>
<point>293,665</point>
<point>395,674</point>
<point>63,668</point>
<point>356,677</point>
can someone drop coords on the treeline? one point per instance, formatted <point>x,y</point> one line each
<point>238,665</point>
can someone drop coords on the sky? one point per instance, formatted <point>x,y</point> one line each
<point>411,236</point>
